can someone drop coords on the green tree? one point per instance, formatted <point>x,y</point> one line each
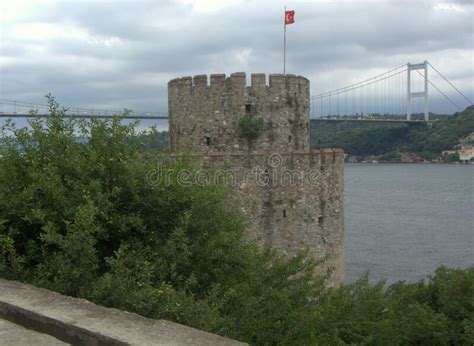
<point>92,219</point>
<point>367,139</point>
<point>392,155</point>
<point>451,157</point>
<point>105,219</point>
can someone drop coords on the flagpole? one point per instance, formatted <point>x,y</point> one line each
<point>284,41</point>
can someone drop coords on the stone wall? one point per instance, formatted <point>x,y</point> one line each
<point>204,118</point>
<point>292,195</point>
<point>293,200</point>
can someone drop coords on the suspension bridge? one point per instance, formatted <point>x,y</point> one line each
<point>394,96</point>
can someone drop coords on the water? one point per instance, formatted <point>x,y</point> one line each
<point>404,220</point>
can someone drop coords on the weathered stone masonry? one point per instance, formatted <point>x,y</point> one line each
<point>293,195</point>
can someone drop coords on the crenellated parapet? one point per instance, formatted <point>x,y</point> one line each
<point>205,113</point>
<point>238,80</point>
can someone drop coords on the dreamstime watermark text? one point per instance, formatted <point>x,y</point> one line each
<point>272,173</point>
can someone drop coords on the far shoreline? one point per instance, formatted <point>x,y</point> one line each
<point>411,163</point>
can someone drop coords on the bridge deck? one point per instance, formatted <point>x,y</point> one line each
<point>164,117</point>
<point>86,116</point>
<point>373,121</point>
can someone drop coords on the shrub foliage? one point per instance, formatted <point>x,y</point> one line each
<point>81,218</point>
<point>250,128</point>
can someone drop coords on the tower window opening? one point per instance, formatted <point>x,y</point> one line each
<point>248,108</point>
<point>320,220</point>
<point>284,212</point>
<point>207,140</point>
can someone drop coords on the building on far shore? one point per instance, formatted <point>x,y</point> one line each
<point>466,153</point>
<point>408,157</point>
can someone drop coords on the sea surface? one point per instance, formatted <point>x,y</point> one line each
<point>404,220</point>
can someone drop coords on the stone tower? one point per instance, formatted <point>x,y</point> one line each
<point>292,195</point>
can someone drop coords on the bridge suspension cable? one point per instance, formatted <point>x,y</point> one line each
<point>37,106</point>
<point>447,80</point>
<point>374,96</point>
<point>356,84</point>
<point>442,93</point>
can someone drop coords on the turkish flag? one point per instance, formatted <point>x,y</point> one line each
<point>289,17</point>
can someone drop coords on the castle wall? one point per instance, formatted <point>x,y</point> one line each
<point>293,200</point>
<point>292,195</point>
<point>204,117</point>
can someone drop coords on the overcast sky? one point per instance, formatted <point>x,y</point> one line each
<point>116,54</point>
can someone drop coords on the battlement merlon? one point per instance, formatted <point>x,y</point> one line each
<point>238,79</point>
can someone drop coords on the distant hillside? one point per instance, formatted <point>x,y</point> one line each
<point>376,139</point>
<point>154,139</point>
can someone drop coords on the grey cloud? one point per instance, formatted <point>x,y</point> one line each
<point>164,40</point>
<point>467,3</point>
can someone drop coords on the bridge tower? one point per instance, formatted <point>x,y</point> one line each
<point>424,93</point>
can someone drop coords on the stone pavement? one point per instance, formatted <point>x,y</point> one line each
<point>14,335</point>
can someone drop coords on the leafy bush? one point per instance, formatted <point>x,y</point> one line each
<point>437,312</point>
<point>250,128</point>
<point>451,157</point>
<point>392,155</point>
<point>85,219</point>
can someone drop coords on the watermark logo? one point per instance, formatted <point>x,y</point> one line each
<point>273,172</point>
<point>275,160</point>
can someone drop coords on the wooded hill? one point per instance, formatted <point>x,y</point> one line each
<point>376,139</point>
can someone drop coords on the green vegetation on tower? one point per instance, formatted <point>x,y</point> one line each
<point>250,128</point>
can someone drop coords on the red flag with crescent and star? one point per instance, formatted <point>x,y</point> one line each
<point>289,17</point>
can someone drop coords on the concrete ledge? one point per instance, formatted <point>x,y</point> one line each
<point>14,335</point>
<point>80,322</point>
